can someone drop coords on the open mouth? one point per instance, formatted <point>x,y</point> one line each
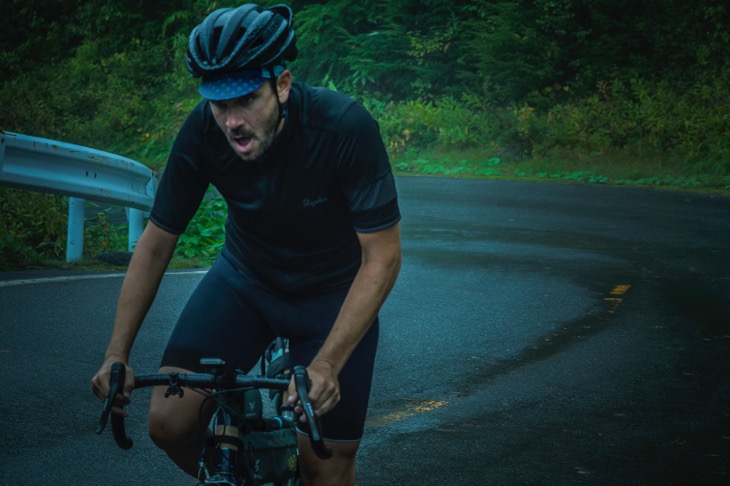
<point>242,144</point>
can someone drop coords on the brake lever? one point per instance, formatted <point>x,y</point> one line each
<point>117,377</point>
<point>116,382</point>
<point>301,381</point>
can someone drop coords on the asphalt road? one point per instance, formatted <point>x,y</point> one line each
<point>538,334</point>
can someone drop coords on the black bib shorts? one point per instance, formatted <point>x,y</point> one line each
<point>233,316</point>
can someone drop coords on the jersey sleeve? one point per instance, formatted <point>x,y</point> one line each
<point>183,183</point>
<point>366,177</point>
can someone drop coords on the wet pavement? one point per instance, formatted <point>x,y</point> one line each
<point>570,335</point>
<point>538,334</point>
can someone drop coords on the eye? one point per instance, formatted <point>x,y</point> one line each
<point>219,105</point>
<point>247,100</point>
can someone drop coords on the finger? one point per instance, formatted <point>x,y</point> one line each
<point>292,392</point>
<point>128,382</point>
<point>327,405</point>
<point>317,389</point>
<point>323,407</point>
<point>120,411</point>
<point>98,389</point>
<point>322,392</point>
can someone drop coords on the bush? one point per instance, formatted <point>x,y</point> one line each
<point>205,235</point>
<point>102,234</point>
<point>16,254</point>
<point>33,227</point>
<point>446,123</point>
<point>687,127</point>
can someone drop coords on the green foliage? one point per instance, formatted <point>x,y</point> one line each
<point>32,227</point>
<point>103,87</point>
<point>358,45</point>
<point>435,72</point>
<point>444,122</point>
<point>204,236</point>
<point>103,234</point>
<point>448,164</point>
<point>16,254</point>
<point>621,170</point>
<point>582,83</point>
<point>686,125</point>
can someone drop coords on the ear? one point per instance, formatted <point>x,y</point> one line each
<point>283,86</point>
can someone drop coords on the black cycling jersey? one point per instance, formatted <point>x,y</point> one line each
<point>292,216</point>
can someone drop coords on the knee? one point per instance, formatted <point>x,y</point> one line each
<point>170,427</point>
<point>163,431</point>
<point>337,471</point>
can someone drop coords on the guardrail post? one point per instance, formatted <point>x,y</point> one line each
<point>75,240</point>
<point>135,218</point>
<point>39,164</point>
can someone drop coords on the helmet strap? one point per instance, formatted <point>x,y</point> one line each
<point>283,111</point>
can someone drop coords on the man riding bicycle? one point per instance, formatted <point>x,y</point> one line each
<point>312,245</point>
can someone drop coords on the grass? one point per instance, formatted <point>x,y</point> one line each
<point>598,169</point>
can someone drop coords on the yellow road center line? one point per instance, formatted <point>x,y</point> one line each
<point>412,409</point>
<point>615,302</point>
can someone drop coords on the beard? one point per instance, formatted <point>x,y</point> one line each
<point>251,146</point>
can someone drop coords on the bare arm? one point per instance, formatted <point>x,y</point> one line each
<point>381,260</point>
<point>149,262</point>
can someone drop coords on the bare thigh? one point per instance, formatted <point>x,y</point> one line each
<point>176,420</point>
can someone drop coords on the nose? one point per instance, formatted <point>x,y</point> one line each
<point>235,117</point>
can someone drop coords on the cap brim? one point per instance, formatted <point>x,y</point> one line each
<point>227,86</point>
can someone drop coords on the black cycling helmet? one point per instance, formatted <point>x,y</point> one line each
<point>243,38</point>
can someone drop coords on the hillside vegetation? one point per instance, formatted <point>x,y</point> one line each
<point>604,91</point>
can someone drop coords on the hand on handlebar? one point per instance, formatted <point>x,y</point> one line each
<point>324,391</point>
<point>100,384</point>
<point>301,383</point>
<point>118,393</point>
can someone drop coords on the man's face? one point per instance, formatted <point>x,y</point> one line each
<point>250,122</point>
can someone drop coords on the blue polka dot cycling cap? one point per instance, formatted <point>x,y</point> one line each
<point>230,85</point>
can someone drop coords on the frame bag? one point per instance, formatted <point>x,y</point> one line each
<point>271,455</point>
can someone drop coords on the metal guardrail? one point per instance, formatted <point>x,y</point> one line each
<point>43,165</point>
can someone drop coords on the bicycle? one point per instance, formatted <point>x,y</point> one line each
<point>244,447</point>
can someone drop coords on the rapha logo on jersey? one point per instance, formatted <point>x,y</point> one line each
<point>313,203</point>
